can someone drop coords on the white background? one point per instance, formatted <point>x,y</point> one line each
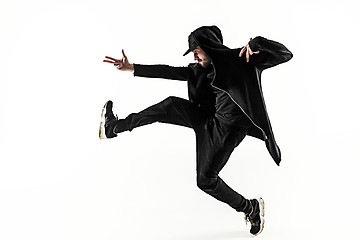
<point>59,181</point>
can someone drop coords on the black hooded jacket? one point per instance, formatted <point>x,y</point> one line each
<point>239,79</point>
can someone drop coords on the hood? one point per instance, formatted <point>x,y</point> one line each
<point>209,38</point>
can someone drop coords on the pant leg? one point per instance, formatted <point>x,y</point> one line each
<point>215,143</point>
<point>172,110</point>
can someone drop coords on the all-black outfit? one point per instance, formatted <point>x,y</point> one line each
<point>225,104</point>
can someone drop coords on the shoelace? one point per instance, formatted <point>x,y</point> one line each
<point>115,116</point>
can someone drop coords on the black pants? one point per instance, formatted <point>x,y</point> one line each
<point>215,142</point>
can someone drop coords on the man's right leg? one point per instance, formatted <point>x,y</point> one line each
<point>172,110</point>
<point>108,122</point>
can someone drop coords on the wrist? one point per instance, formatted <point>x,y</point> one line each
<point>254,44</point>
<point>130,68</point>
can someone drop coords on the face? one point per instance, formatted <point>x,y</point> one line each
<point>201,57</point>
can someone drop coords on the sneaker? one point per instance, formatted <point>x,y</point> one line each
<point>108,122</point>
<point>256,216</point>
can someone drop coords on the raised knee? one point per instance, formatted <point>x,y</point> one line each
<point>206,183</point>
<point>168,101</point>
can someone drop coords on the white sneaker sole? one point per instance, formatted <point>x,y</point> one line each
<point>262,214</point>
<point>102,123</point>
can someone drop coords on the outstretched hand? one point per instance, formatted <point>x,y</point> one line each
<point>121,64</point>
<point>248,51</point>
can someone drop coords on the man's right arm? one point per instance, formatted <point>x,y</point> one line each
<point>151,71</point>
<point>161,71</point>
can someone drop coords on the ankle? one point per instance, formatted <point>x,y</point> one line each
<point>121,126</point>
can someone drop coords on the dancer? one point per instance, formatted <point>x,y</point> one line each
<point>225,104</point>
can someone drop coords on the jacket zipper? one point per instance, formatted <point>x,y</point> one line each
<point>238,106</point>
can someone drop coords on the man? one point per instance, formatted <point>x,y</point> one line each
<point>225,104</point>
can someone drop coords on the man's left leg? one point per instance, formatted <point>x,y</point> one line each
<point>214,147</point>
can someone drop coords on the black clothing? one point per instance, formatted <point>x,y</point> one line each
<point>225,104</point>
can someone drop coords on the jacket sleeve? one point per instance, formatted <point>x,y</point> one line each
<point>161,71</point>
<point>270,54</point>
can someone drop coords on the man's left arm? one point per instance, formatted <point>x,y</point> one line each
<point>266,53</point>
